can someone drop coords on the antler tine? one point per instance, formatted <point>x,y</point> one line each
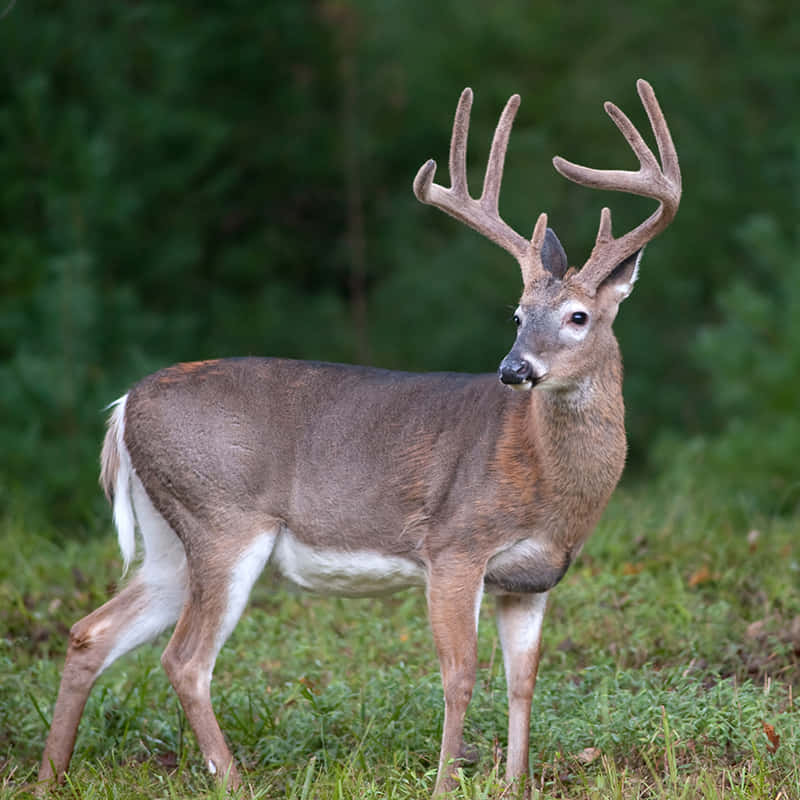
<point>457,161</point>
<point>482,214</point>
<point>666,147</point>
<point>490,195</point>
<point>659,182</point>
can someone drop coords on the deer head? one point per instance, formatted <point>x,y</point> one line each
<point>564,315</point>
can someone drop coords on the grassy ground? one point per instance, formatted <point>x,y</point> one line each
<point>671,670</point>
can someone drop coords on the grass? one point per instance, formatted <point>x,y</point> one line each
<point>671,669</point>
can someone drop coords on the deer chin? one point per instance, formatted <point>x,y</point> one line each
<point>525,386</point>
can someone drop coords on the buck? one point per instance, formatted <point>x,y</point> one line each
<point>356,480</point>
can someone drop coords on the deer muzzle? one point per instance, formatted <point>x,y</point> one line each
<point>517,372</point>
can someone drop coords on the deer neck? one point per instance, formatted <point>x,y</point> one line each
<point>561,453</point>
<point>579,434</point>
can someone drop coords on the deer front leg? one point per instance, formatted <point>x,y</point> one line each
<point>453,603</point>
<point>519,622</point>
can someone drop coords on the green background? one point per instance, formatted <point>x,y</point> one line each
<point>185,181</point>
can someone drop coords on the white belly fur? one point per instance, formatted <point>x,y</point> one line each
<point>354,572</point>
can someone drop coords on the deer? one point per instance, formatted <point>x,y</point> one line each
<point>356,480</point>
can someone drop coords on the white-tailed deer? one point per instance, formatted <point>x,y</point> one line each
<point>356,480</point>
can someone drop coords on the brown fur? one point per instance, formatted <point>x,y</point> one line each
<point>452,476</point>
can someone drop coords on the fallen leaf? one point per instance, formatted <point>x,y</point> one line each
<point>774,739</point>
<point>752,539</point>
<point>755,629</point>
<point>632,569</point>
<point>589,755</point>
<point>307,683</point>
<point>699,576</point>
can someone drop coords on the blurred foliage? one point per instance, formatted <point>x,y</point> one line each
<point>752,361</point>
<point>183,182</point>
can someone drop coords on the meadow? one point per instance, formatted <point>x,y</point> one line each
<point>671,669</point>
<point>180,185</point>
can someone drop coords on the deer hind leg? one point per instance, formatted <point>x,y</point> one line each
<point>150,603</point>
<point>218,592</point>
<point>454,599</point>
<point>519,622</point>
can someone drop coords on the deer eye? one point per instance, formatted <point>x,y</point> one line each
<point>579,318</point>
<point>517,320</point>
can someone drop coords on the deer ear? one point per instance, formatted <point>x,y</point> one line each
<point>623,276</point>
<point>554,259</point>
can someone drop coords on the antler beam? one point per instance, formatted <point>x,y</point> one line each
<point>659,182</point>
<point>482,214</point>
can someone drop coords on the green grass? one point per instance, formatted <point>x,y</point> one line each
<point>668,647</point>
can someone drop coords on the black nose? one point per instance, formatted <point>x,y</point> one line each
<point>515,370</point>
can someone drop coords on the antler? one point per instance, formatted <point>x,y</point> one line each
<point>482,214</point>
<point>650,180</point>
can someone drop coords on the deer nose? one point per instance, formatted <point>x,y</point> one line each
<point>514,371</point>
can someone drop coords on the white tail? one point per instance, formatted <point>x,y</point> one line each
<point>358,480</point>
<point>115,476</point>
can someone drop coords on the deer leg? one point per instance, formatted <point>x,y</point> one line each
<point>453,605</point>
<point>519,622</point>
<point>136,615</point>
<point>219,589</point>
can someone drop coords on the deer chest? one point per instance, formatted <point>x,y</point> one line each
<point>527,567</point>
